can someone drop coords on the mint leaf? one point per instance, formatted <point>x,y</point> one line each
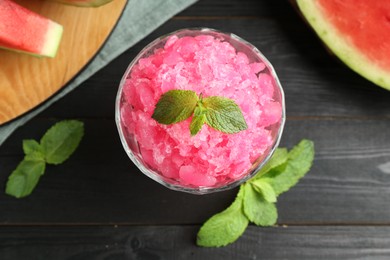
<point>24,178</point>
<point>299,162</point>
<point>257,209</point>
<point>33,150</point>
<point>279,157</point>
<point>264,187</point>
<point>225,227</point>
<point>61,140</point>
<point>199,117</point>
<point>31,146</point>
<point>224,114</point>
<point>175,106</point>
<point>197,123</point>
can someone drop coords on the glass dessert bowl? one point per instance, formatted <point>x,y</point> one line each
<point>209,63</point>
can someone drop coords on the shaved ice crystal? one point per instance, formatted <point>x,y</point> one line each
<point>211,66</point>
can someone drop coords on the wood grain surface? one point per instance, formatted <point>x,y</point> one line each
<point>27,81</point>
<point>156,242</point>
<point>98,205</point>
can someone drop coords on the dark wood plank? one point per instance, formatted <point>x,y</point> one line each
<point>75,210</point>
<point>315,83</point>
<point>177,242</point>
<point>349,182</point>
<point>214,8</point>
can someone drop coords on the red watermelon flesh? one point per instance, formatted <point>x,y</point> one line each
<point>367,23</point>
<point>357,31</point>
<point>25,31</point>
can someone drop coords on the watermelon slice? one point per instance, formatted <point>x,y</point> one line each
<point>25,31</point>
<point>84,3</point>
<point>357,31</point>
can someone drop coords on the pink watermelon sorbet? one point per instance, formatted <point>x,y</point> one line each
<point>205,63</point>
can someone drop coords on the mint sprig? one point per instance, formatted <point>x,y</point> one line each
<point>225,226</point>
<point>256,198</point>
<point>58,143</point>
<point>220,113</point>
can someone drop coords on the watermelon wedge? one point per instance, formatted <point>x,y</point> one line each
<point>84,3</point>
<point>357,31</point>
<point>24,31</point>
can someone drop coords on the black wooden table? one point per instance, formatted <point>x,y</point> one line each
<point>97,205</point>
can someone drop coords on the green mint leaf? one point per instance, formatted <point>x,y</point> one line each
<point>200,109</point>
<point>33,150</point>
<point>24,178</point>
<point>197,123</point>
<point>264,187</point>
<point>224,114</point>
<point>31,146</point>
<point>272,173</point>
<point>175,106</point>
<point>61,140</point>
<point>300,160</point>
<point>279,157</point>
<point>199,117</point>
<point>225,227</point>
<point>257,209</point>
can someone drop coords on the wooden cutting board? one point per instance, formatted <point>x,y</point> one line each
<point>27,81</point>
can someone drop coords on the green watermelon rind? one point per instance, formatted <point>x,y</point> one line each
<point>90,3</point>
<point>53,39</point>
<point>341,46</point>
